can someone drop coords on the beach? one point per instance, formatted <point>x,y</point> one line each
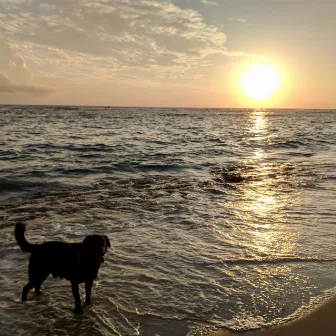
<point>320,322</point>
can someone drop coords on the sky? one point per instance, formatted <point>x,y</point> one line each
<point>181,53</point>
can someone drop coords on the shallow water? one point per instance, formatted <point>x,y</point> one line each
<point>217,218</point>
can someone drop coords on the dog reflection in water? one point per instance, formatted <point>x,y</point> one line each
<point>76,262</point>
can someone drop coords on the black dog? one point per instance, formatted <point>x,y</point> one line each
<point>76,262</point>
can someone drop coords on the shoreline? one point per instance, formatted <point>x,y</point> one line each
<point>320,322</point>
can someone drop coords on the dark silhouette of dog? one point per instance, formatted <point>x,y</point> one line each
<point>76,262</point>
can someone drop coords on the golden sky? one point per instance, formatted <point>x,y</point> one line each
<point>184,53</point>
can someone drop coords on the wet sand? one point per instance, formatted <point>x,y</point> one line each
<point>320,322</point>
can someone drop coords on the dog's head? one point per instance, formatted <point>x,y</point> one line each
<point>96,245</point>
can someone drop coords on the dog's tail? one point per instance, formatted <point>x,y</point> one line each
<point>21,239</point>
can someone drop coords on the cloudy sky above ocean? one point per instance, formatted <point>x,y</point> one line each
<point>205,53</point>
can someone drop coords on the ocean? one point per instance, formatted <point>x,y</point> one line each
<point>218,218</point>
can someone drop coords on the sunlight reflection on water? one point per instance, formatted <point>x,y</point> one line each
<point>264,201</point>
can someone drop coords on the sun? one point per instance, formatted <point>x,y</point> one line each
<point>260,82</point>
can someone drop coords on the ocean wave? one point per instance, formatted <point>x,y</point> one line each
<point>279,260</point>
<point>282,176</point>
<point>15,185</point>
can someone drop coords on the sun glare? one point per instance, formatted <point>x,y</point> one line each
<point>260,82</point>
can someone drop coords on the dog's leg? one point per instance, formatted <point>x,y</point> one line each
<point>31,283</point>
<point>39,280</point>
<point>88,287</point>
<point>38,289</point>
<point>35,280</point>
<point>26,290</point>
<point>75,292</point>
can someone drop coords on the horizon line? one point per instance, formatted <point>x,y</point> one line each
<point>176,107</point>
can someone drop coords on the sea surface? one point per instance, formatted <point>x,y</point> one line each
<point>218,218</point>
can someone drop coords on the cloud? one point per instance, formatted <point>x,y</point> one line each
<point>9,86</point>
<point>13,64</point>
<point>11,4</point>
<point>15,77</point>
<point>237,19</point>
<point>209,3</point>
<point>157,39</point>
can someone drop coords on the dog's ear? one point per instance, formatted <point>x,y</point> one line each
<point>107,241</point>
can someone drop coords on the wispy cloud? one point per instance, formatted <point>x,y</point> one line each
<point>209,2</point>
<point>157,39</point>
<point>238,19</point>
<point>15,76</point>
<point>9,86</point>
